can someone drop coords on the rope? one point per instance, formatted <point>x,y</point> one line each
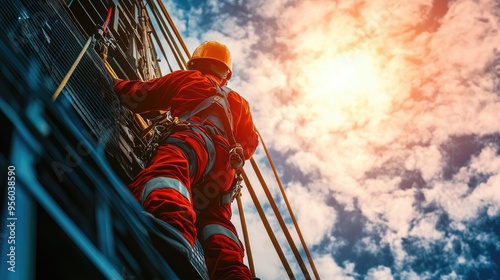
<point>280,219</point>
<point>169,19</point>
<point>110,70</point>
<point>282,189</point>
<point>71,70</point>
<point>245,235</point>
<point>138,118</point>
<point>161,47</point>
<point>158,44</point>
<point>268,227</point>
<point>167,35</point>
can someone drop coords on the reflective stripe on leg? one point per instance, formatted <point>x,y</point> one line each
<point>212,229</point>
<point>163,183</point>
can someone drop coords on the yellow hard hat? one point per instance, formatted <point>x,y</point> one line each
<point>214,51</point>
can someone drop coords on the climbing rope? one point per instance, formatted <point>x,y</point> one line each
<point>267,226</point>
<point>289,208</point>
<point>280,219</point>
<point>169,38</point>
<point>176,32</point>
<point>245,234</point>
<point>71,70</point>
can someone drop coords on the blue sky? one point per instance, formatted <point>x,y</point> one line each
<point>382,118</point>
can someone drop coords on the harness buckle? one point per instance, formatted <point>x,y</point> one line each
<point>233,192</point>
<point>161,126</point>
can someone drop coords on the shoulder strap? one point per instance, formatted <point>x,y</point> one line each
<point>236,154</point>
<point>201,107</point>
<point>222,101</point>
<point>224,91</point>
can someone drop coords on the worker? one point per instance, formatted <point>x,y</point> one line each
<point>191,168</point>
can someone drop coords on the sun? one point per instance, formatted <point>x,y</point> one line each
<point>351,80</point>
<point>344,75</point>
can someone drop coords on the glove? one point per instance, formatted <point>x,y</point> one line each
<point>236,156</point>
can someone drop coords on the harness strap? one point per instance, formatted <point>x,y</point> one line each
<point>187,150</point>
<point>215,119</point>
<point>223,123</point>
<point>202,106</point>
<point>209,144</point>
<point>228,125</point>
<point>191,155</point>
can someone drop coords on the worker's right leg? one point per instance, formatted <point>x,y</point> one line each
<point>223,249</point>
<point>164,189</point>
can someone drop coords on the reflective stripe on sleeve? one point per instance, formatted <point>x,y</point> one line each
<point>212,229</point>
<point>163,183</point>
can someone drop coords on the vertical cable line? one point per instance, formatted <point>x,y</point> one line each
<point>282,189</point>
<point>169,19</point>
<point>155,35</point>
<point>267,226</point>
<point>245,234</point>
<point>280,219</point>
<point>168,35</point>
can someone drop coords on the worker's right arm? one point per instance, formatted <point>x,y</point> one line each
<point>155,94</point>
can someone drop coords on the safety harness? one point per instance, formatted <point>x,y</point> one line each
<point>165,124</point>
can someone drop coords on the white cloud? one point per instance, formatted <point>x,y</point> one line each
<point>329,269</point>
<point>425,228</point>
<point>379,273</point>
<point>314,217</point>
<point>427,160</point>
<point>410,275</point>
<point>458,200</point>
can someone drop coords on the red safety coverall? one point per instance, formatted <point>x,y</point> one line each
<point>165,187</point>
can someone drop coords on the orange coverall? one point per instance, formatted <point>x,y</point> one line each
<point>167,185</point>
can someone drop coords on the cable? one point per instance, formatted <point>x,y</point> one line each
<point>167,35</point>
<point>169,19</point>
<point>268,227</point>
<point>245,235</point>
<point>282,189</point>
<point>280,219</point>
<point>71,70</point>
